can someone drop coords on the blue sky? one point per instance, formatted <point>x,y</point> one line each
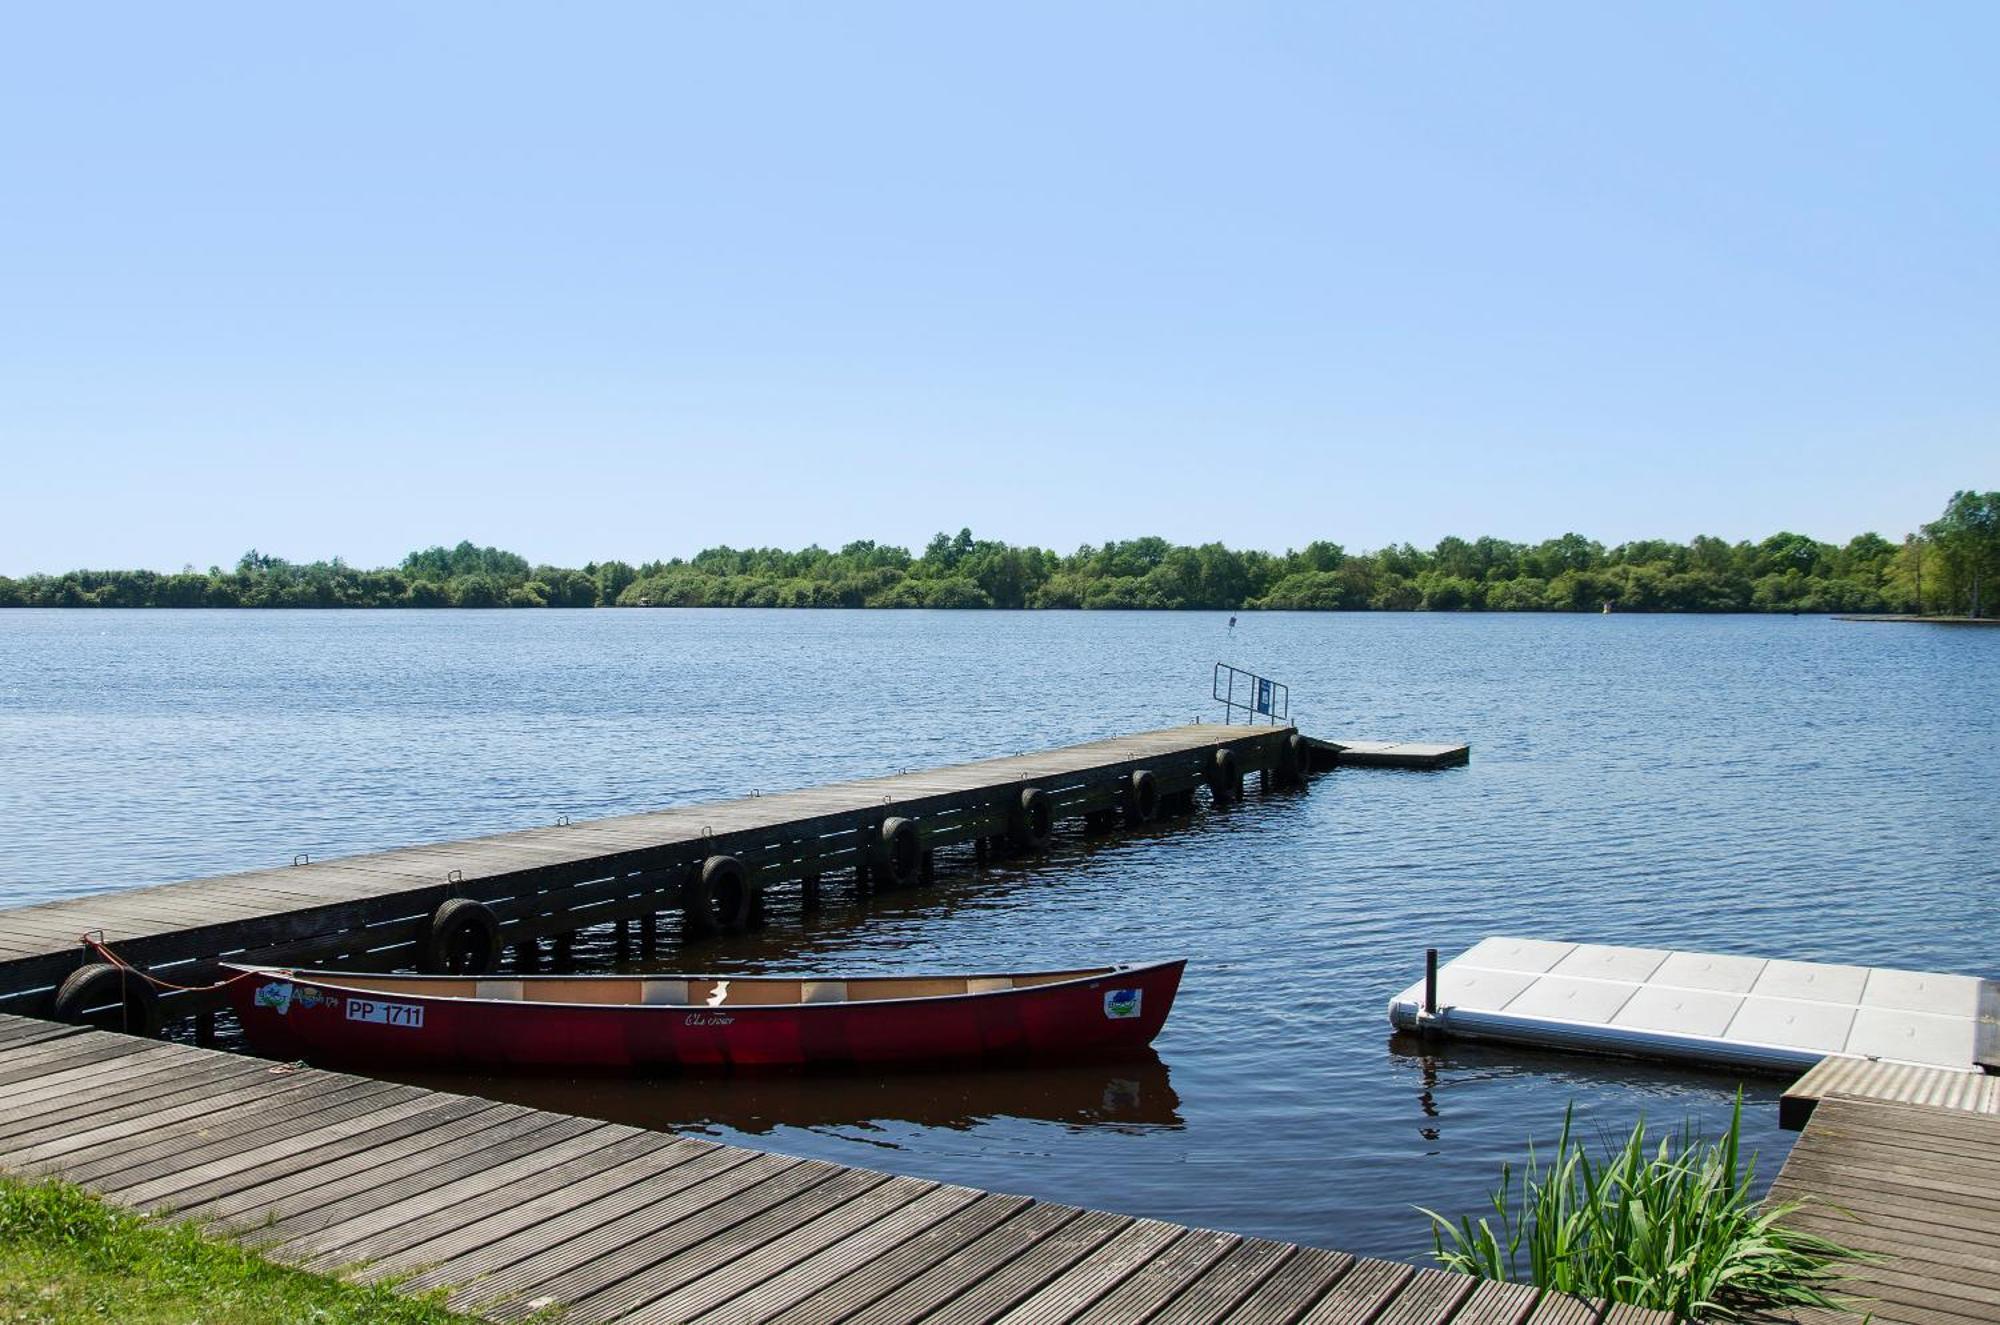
<point>596,280</point>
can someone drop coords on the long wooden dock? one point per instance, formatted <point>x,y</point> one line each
<point>513,1210</point>
<point>373,910</point>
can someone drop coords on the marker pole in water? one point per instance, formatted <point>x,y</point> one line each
<point>1430,982</point>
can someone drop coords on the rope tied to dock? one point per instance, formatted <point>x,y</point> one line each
<point>103,949</point>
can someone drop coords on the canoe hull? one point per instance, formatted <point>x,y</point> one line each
<point>305,1016</point>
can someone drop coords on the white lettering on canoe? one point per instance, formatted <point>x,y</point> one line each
<point>410,1015</point>
<point>709,1019</point>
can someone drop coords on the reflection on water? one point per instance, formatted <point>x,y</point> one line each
<point>1127,1094</point>
<point>1782,787</point>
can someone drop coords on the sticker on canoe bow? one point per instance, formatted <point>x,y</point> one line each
<point>277,996</point>
<point>1121,1003</point>
<point>407,1015</point>
<point>307,996</point>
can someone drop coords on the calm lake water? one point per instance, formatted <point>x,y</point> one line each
<point>1774,786</point>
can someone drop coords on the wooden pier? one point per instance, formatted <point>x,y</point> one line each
<point>1902,1163</point>
<point>379,910</point>
<point>512,1211</point>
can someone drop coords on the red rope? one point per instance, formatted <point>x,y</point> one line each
<point>101,949</point>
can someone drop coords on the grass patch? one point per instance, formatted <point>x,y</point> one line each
<point>1671,1226</point>
<point>65,1256</point>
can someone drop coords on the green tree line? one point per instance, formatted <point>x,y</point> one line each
<point>1950,566</point>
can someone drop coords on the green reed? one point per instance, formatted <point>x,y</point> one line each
<point>1671,1226</point>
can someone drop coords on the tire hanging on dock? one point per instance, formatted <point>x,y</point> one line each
<point>1225,777</point>
<point>100,994</point>
<point>720,898</point>
<point>462,938</point>
<point>1294,761</point>
<point>899,853</point>
<point>1142,803</point>
<point>1032,822</point>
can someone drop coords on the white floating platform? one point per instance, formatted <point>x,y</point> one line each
<point>1703,1007</point>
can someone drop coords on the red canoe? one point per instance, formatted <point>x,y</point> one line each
<point>697,1022</point>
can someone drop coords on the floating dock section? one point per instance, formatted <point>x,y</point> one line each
<point>1709,1008</point>
<point>1389,754</point>
<point>509,1211</point>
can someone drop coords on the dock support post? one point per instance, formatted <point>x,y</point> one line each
<point>649,933</point>
<point>809,892</point>
<point>1430,982</point>
<point>562,953</point>
<point>204,1029</point>
<point>621,940</point>
<point>927,873</point>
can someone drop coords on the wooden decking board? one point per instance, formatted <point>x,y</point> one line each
<point>55,1084</point>
<point>381,1118</point>
<point>91,1088</point>
<point>1222,1286</point>
<point>672,1236</point>
<point>1495,1302</point>
<point>1915,1218</point>
<point>515,1203</point>
<point>1554,1309</point>
<point>894,1223</point>
<point>918,1297</point>
<point>512,1210</point>
<point>875,1279</point>
<point>767,1235</point>
<point>87,1130</point>
<point>559,1238</point>
<point>1020,1277</point>
<point>1890,1179</point>
<point>302,1131</point>
<point>435,1207</point>
<point>1360,1294</point>
<point>1157,1282</point>
<point>298,1198</point>
<point>186,1149</point>
<point>1097,1274</point>
<point>534,1275</point>
<point>1429,1297</point>
<point>466,1163</point>
<point>731,1281</point>
<point>1304,1279</point>
<point>61,1053</point>
<point>523,1203</point>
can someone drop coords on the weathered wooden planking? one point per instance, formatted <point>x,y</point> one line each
<point>1917,1186</point>
<point>515,1210</point>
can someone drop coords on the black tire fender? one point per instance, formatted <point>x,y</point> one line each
<point>102,995</point>
<point>722,897</point>
<point>1033,820</point>
<point>1302,754</point>
<point>1225,777</point>
<point>1142,806</point>
<point>899,851</point>
<point>462,938</point>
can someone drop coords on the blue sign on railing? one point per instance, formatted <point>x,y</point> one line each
<point>1261,696</point>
